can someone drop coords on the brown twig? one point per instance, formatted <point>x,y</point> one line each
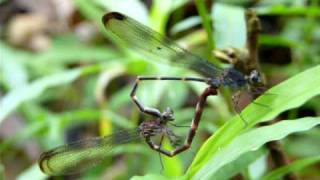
<point>277,154</point>
<point>253,29</point>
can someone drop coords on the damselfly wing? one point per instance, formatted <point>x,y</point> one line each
<point>147,41</point>
<point>80,155</point>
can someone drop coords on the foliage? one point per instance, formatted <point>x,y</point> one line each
<point>79,86</point>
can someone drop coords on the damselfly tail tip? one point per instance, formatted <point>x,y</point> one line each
<point>112,15</point>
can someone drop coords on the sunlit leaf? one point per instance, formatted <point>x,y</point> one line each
<point>287,95</point>
<point>12,69</point>
<point>229,25</point>
<point>248,142</point>
<point>150,176</point>
<point>33,172</point>
<point>14,98</point>
<point>233,168</point>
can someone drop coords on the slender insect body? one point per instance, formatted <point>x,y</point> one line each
<point>233,78</point>
<point>151,128</point>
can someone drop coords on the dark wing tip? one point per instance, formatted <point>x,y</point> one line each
<point>43,160</point>
<point>112,15</point>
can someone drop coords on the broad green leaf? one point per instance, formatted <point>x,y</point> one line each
<point>289,94</point>
<point>231,169</point>
<point>248,142</point>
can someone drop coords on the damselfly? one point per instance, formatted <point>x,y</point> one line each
<point>78,156</point>
<point>147,41</point>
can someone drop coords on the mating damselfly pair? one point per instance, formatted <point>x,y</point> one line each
<point>74,157</point>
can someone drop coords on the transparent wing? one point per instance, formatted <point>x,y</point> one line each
<point>78,156</point>
<point>147,41</point>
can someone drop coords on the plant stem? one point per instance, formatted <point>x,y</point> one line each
<point>277,154</point>
<point>206,21</point>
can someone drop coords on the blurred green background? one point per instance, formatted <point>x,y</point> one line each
<point>63,78</point>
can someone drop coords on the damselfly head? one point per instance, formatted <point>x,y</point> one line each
<point>168,114</point>
<point>254,79</point>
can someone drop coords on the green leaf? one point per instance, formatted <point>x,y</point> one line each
<point>289,94</point>
<point>251,141</point>
<point>185,24</point>
<point>293,167</point>
<point>14,98</point>
<point>274,40</point>
<point>60,54</point>
<point>32,172</point>
<point>150,176</point>
<point>118,119</point>
<point>172,166</point>
<point>229,25</point>
<point>289,11</point>
<point>12,69</point>
<point>159,15</point>
<point>1,171</point>
<point>205,17</point>
<point>89,10</point>
<point>231,169</point>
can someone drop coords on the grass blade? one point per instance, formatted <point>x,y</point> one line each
<point>248,142</point>
<point>289,94</point>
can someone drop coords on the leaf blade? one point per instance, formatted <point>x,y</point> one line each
<point>240,145</point>
<point>290,94</point>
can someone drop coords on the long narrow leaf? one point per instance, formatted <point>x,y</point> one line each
<point>289,94</point>
<point>29,91</point>
<point>14,98</point>
<point>248,142</point>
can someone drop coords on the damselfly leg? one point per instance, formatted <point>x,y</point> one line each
<point>153,111</point>
<point>193,127</point>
